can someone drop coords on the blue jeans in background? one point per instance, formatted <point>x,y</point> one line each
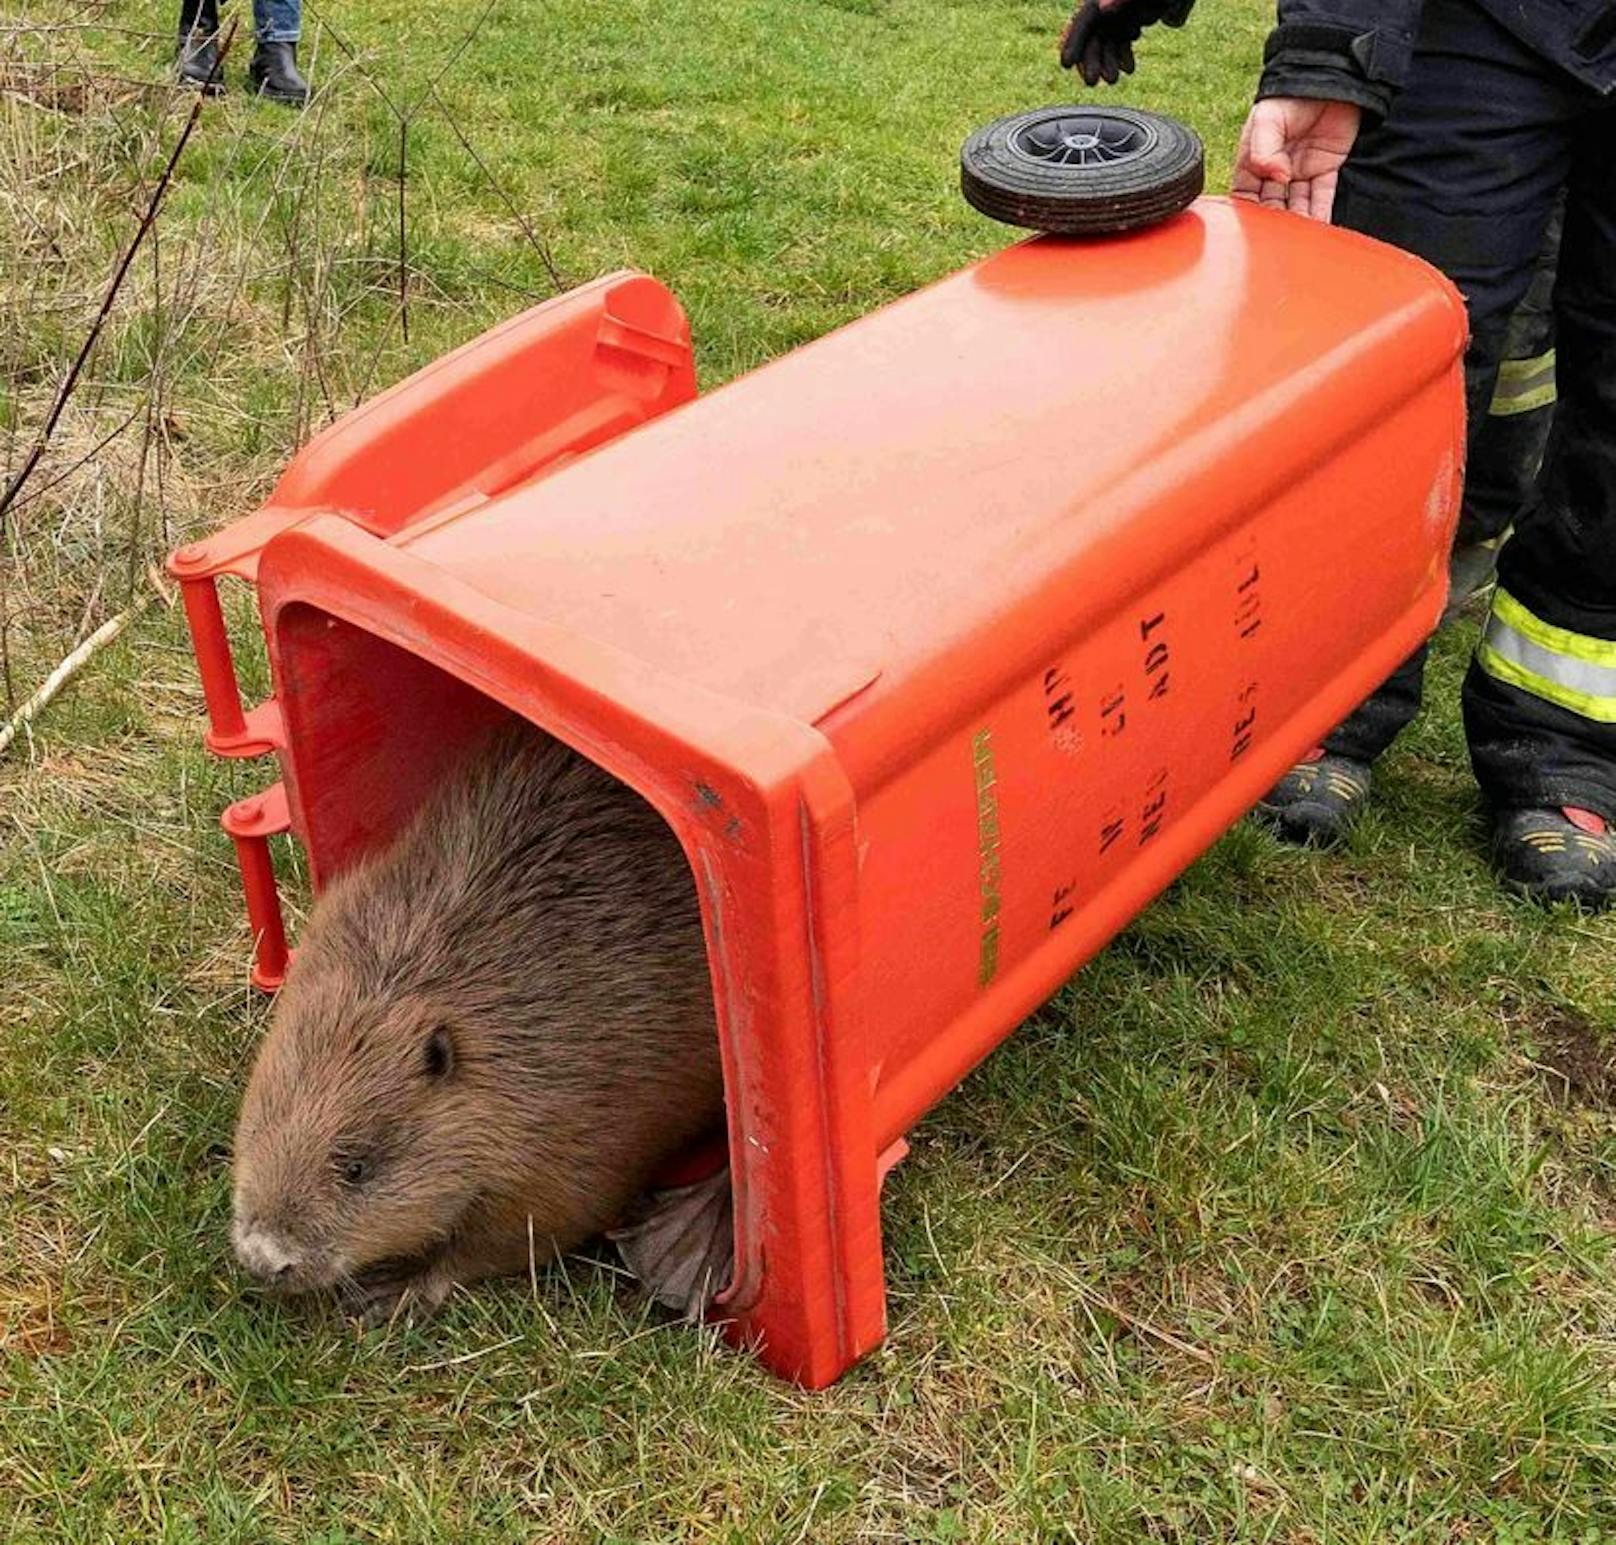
<point>278,21</point>
<point>274,21</point>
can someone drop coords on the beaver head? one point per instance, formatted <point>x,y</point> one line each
<point>357,1141</point>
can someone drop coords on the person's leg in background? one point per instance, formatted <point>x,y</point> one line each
<point>273,72</point>
<point>1464,172</point>
<point>197,62</point>
<point>1540,697</point>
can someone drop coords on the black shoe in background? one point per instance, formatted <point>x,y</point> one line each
<point>196,63</point>
<point>273,73</point>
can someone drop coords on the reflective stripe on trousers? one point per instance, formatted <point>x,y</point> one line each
<point>1569,669</point>
<point>1524,385</point>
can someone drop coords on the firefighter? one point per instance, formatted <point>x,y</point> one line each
<point>1456,129</point>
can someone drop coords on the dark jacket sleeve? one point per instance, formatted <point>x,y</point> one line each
<point>1346,50</point>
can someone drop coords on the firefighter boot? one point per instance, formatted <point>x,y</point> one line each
<point>1557,855</point>
<point>1317,801</point>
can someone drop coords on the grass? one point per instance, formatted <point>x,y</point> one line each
<point>1290,1219</point>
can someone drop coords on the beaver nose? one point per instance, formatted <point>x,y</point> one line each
<point>264,1254</point>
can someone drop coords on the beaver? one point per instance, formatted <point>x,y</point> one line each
<point>496,1030</point>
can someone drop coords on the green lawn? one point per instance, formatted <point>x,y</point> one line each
<point>1291,1219</point>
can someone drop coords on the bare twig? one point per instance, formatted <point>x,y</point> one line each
<point>403,243</point>
<point>119,459</point>
<point>68,669</point>
<point>25,79</point>
<point>31,460</point>
<point>41,489</point>
<point>539,246</point>
<point>466,40</point>
<point>358,64</point>
<point>45,28</point>
<point>405,116</point>
<point>6,679</point>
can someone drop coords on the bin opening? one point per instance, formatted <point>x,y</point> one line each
<point>372,731</point>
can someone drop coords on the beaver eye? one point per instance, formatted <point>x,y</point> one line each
<point>353,1169</point>
<point>438,1056</point>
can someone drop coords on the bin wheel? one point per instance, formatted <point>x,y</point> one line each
<point>1082,171</point>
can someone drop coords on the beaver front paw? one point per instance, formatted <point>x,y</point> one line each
<point>387,1298</point>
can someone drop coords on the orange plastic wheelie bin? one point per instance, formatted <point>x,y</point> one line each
<point>943,643</point>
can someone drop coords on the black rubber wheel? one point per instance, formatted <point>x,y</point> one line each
<point>1082,171</point>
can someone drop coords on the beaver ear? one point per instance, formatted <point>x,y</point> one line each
<point>438,1057</point>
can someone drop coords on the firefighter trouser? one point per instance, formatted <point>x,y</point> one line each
<point>1507,443</point>
<point>1467,171</point>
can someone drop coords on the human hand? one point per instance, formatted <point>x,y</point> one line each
<point>1291,153</point>
<point>1099,38</point>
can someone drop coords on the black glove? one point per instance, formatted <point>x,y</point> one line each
<point>1099,44</point>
